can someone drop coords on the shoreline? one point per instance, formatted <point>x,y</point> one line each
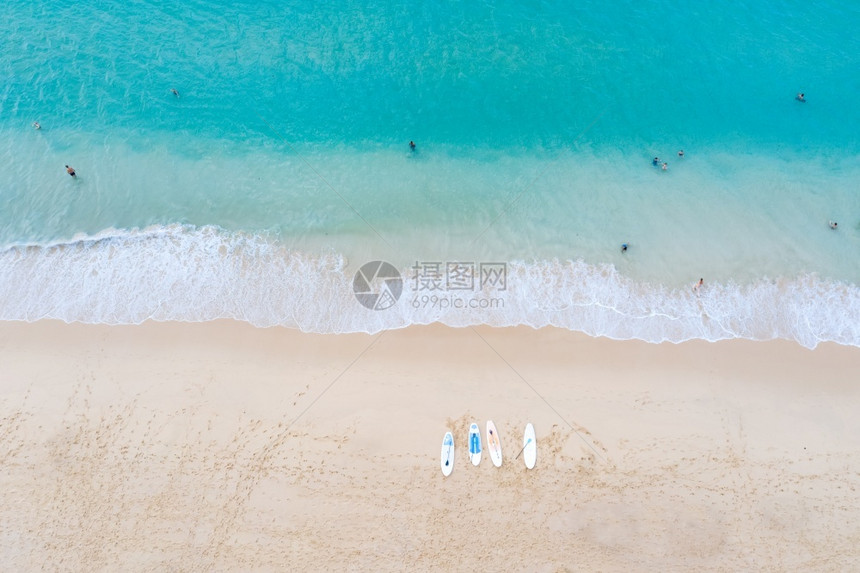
<point>179,273</point>
<point>221,445</point>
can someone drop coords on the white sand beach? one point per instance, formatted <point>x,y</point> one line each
<point>219,446</point>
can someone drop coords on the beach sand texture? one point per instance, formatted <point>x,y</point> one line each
<point>218,446</point>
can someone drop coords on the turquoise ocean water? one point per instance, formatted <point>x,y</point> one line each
<point>284,166</point>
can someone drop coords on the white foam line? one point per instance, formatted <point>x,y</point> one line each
<point>183,273</point>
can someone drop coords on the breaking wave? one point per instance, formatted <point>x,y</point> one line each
<point>183,273</point>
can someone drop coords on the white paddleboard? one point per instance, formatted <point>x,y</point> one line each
<point>474,444</point>
<point>447,454</point>
<point>530,446</point>
<point>494,444</point>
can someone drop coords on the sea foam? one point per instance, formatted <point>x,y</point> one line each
<point>184,273</point>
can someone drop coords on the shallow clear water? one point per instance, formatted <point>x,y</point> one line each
<point>283,165</point>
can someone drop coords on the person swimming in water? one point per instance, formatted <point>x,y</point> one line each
<point>412,145</point>
<point>681,153</point>
<point>623,247</point>
<point>655,162</point>
<point>36,125</point>
<point>801,97</point>
<point>71,171</point>
<point>665,166</point>
<point>174,92</point>
<point>833,225</point>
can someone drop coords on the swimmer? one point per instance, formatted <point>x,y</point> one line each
<point>665,166</point>
<point>681,153</point>
<point>623,247</point>
<point>174,92</point>
<point>71,171</point>
<point>698,285</point>
<point>833,225</point>
<point>412,145</point>
<point>801,97</point>
<point>36,125</point>
<point>655,162</point>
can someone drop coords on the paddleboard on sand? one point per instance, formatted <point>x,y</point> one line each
<point>494,445</point>
<point>530,446</point>
<point>447,454</point>
<point>474,444</point>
